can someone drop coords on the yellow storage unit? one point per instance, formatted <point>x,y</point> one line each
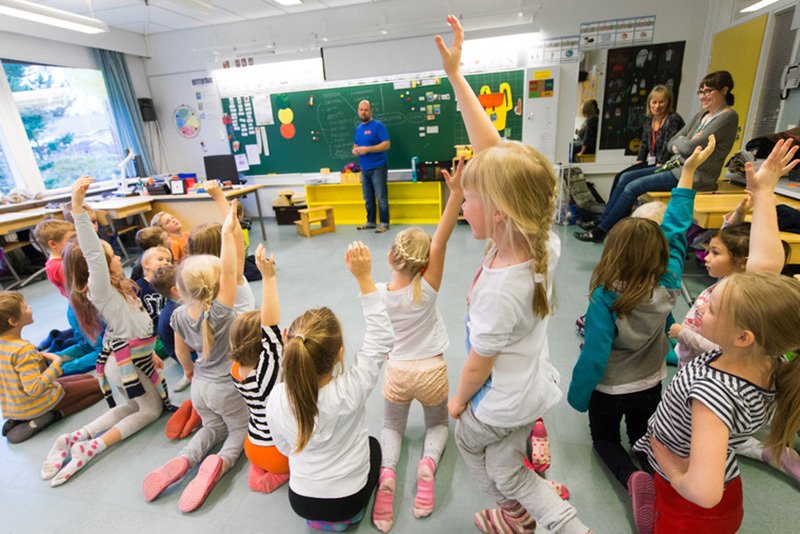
<point>409,202</point>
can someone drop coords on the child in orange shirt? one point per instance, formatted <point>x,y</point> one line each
<point>178,239</point>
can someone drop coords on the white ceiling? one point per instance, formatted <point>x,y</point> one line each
<point>156,16</point>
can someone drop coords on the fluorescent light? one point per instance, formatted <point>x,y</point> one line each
<point>51,16</point>
<point>289,2</point>
<point>757,6</point>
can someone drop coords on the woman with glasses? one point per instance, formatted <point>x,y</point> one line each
<point>716,117</point>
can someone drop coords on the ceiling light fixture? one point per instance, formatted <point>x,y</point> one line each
<point>202,6</point>
<point>52,17</point>
<point>289,2</point>
<point>757,6</point>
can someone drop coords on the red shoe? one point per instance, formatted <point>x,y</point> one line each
<point>192,423</point>
<point>643,498</point>
<point>160,479</point>
<point>178,420</point>
<point>199,488</point>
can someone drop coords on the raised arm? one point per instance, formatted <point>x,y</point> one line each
<point>766,253</point>
<point>698,157</point>
<point>227,279</point>
<point>215,191</point>
<point>481,131</point>
<point>270,303</point>
<point>99,276</point>
<point>435,270</point>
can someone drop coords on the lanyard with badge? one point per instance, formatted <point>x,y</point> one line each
<point>651,158</point>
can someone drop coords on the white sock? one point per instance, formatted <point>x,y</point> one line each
<point>82,453</point>
<point>59,452</point>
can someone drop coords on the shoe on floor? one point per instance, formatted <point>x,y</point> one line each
<point>368,226</point>
<point>591,236</point>
<point>381,228</point>
<point>178,420</point>
<point>587,225</point>
<point>643,499</point>
<point>160,479</point>
<point>200,487</point>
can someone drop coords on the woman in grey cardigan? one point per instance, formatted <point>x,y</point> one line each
<point>717,118</point>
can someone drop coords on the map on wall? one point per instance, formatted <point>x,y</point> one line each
<point>631,73</point>
<point>187,121</point>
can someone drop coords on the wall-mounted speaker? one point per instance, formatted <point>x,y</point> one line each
<point>147,109</point>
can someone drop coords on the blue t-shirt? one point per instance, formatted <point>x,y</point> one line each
<point>165,332</point>
<point>371,134</point>
<point>151,300</point>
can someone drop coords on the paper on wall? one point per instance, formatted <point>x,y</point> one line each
<point>264,143</point>
<point>253,154</point>
<point>262,108</point>
<point>241,162</point>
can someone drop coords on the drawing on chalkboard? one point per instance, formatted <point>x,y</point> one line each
<point>497,105</point>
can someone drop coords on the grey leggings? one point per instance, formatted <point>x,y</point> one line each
<point>395,418</point>
<point>132,416</point>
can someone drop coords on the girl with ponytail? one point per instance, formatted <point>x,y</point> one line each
<point>207,285</point>
<point>317,414</point>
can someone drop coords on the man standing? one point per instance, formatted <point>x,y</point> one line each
<point>370,145</point>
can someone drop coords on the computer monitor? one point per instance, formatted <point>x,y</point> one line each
<point>222,168</point>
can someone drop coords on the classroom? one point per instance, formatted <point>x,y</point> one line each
<point>268,162</point>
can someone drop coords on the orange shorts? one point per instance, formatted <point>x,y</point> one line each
<point>267,458</point>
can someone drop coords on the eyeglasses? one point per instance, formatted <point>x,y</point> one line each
<point>705,92</point>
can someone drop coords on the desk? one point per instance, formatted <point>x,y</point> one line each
<point>21,220</point>
<point>120,208</point>
<point>723,188</point>
<point>195,209</point>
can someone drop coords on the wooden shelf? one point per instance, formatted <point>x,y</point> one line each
<point>409,202</point>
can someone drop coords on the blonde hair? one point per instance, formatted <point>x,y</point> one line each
<point>152,251</point>
<point>767,304</point>
<point>410,255</point>
<point>156,220</point>
<point>633,260</point>
<point>197,280</point>
<point>10,308</point>
<point>313,345</point>
<point>245,338</point>
<point>52,230</point>
<point>206,239</point>
<point>518,181</point>
<point>665,90</point>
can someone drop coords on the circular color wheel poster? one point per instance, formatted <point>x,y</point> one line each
<point>187,121</point>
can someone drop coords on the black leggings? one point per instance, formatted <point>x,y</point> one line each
<point>343,508</point>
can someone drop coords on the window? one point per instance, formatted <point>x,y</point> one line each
<point>6,180</point>
<point>67,118</point>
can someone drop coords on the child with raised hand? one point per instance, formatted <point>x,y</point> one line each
<point>720,398</point>
<point>99,291</point>
<point>317,414</point>
<point>32,396</point>
<point>507,382</point>
<point>633,289</point>
<point>416,368</point>
<point>207,285</point>
<point>256,348</point>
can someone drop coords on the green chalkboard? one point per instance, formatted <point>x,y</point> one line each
<point>322,122</point>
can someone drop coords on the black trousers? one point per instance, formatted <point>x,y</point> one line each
<point>605,416</point>
<point>343,508</point>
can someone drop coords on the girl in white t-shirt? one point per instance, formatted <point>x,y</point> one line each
<point>507,382</point>
<point>416,368</point>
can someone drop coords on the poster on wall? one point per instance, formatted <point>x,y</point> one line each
<point>631,73</point>
<point>187,121</point>
<point>617,32</point>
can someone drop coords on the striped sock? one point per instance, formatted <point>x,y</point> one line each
<point>423,502</point>
<point>382,509</point>
<point>82,453</point>
<point>509,518</point>
<point>59,452</point>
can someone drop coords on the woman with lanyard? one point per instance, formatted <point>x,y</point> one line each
<point>661,124</point>
<point>716,117</point>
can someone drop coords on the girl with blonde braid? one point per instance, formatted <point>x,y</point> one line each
<point>416,368</point>
<point>207,285</point>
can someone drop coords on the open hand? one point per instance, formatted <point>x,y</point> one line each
<point>700,155</point>
<point>454,181</point>
<point>358,259</point>
<point>669,462</point>
<point>231,220</point>
<point>213,188</point>
<point>451,56</point>
<point>779,162</point>
<point>265,266</point>
<point>79,189</point>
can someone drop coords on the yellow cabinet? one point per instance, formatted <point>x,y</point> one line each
<point>409,202</point>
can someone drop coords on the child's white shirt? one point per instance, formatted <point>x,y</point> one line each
<point>244,301</point>
<point>419,330</point>
<point>335,462</point>
<point>523,384</point>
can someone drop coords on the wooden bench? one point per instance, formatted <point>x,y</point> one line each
<point>310,216</point>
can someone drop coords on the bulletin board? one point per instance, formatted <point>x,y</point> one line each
<point>312,129</point>
<point>631,73</point>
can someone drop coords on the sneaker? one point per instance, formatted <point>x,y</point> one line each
<point>587,225</point>
<point>368,226</point>
<point>643,499</point>
<point>381,228</point>
<point>591,236</point>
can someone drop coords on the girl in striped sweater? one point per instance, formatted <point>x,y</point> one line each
<point>256,348</point>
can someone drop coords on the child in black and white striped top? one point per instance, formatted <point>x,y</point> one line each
<point>256,348</point>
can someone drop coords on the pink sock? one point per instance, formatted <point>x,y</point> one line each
<point>382,511</point>
<point>82,453</point>
<point>509,518</point>
<point>423,502</point>
<point>263,481</point>
<point>59,452</point>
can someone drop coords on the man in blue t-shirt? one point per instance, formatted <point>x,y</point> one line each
<point>370,145</point>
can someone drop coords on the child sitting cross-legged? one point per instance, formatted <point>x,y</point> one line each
<point>32,396</point>
<point>256,347</point>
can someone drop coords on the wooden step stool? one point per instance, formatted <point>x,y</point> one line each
<point>319,214</point>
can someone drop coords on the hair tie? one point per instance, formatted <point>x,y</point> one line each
<point>422,270</point>
<point>301,336</point>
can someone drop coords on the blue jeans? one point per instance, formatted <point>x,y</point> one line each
<point>373,184</point>
<point>631,185</point>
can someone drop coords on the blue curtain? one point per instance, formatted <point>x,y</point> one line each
<point>124,105</point>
